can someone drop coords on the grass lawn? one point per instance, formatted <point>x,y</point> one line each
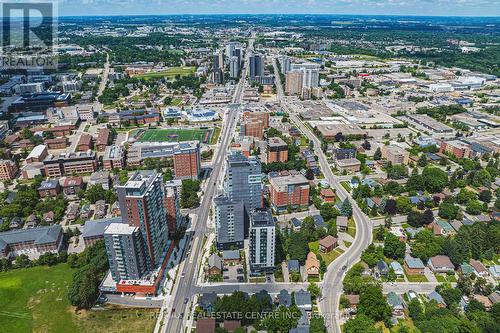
<point>351,227</point>
<point>34,300</point>
<point>416,278</point>
<point>346,186</point>
<point>440,278</point>
<point>347,244</point>
<point>257,279</point>
<point>331,256</point>
<point>169,73</point>
<point>175,135</point>
<point>176,101</point>
<point>215,135</point>
<point>314,247</point>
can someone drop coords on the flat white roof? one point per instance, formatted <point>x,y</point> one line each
<point>37,151</point>
<point>119,229</point>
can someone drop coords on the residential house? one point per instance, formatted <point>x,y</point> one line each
<point>293,266</point>
<point>397,268</point>
<point>205,325</point>
<point>495,271</point>
<point>215,265</point>
<point>303,300</point>
<point>479,269</point>
<point>207,301</point>
<point>396,303</point>
<point>327,195</point>
<point>49,188</point>
<point>353,300</point>
<point>31,222</point>
<point>327,244</point>
<point>312,265</point>
<point>72,185</point>
<point>284,298</point>
<point>484,300</point>
<point>342,223</point>
<point>466,269</point>
<point>413,266</point>
<point>319,222</point>
<point>494,297</point>
<point>381,268</point>
<point>48,217</point>
<point>86,212</point>
<point>435,296</point>
<point>100,209</point>
<point>231,257</point>
<point>441,264</point>
<point>296,223</point>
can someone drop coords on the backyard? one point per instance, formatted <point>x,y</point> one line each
<point>35,300</point>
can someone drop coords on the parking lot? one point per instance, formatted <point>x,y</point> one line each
<point>233,273</point>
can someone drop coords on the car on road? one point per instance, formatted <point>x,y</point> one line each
<point>183,275</point>
<point>186,300</point>
<point>269,279</point>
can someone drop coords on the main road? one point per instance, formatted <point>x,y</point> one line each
<point>332,280</point>
<point>185,286</point>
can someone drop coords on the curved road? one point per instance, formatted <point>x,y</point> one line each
<point>332,281</point>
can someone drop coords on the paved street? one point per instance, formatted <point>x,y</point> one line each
<point>174,321</point>
<point>332,280</point>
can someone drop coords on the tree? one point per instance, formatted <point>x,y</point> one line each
<point>314,290</point>
<point>346,208</point>
<point>426,245</point>
<point>378,154</point>
<point>416,309</point>
<point>448,210</point>
<point>361,324</point>
<point>373,304</point>
<point>390,207</point>
<point>464,196</point>
<point>435,179</point>
<point>372,255</point>
<point>189,193</point>
<point>415,219</point>
<point>422,161</point>
<point>317,325</point>
<point>474,207</point>
<point>366,145</point>
<point>428,217</point>
<point>297,247</point>
<point>388,221</point>
<point>485,196</point>
<point>393,247</point>
<point>403,205</point>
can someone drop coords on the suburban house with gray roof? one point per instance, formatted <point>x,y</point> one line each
<point>32,242</point>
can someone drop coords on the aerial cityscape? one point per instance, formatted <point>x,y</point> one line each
<point>246,169</point>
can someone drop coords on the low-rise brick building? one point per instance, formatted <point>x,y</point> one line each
<point>290,190</point>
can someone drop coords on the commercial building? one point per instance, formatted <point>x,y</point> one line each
<point>256,66</point>
<point>8,170</point>
<point>85,143</point>
<point>395,154</point>
<point>102,139</point>
<point>40,101</point>
<point>31,88</point>
<point>142,204</point>
<point>252,128</point>
<point>348,165</point>
<point>429,123</point>
<point>93,230</point>
<point>173,207</point>
<point>243,180</point>
<point>125,249</point>
<point>234,67</point>
<point>277,150</point>
<point>69,163</point>
<point>285,64</point>
<point>257,115</point>
<point>294,83</point>
<point>113,158</point>
<point>262,242</point>
<point>457,148</point>
<point>38,154</point>
<point>72,86</point>
<point>186,156</point>
<point>31,242</point>
<point>230,221</point>
<point>289,190</point>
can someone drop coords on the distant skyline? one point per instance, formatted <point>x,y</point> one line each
<point>354,7</point>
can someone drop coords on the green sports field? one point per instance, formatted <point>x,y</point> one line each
<point>169,73</point>
<point>175,135</point>
<point>35,300</point>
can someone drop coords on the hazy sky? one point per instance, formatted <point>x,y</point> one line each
<point>387,7</point>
